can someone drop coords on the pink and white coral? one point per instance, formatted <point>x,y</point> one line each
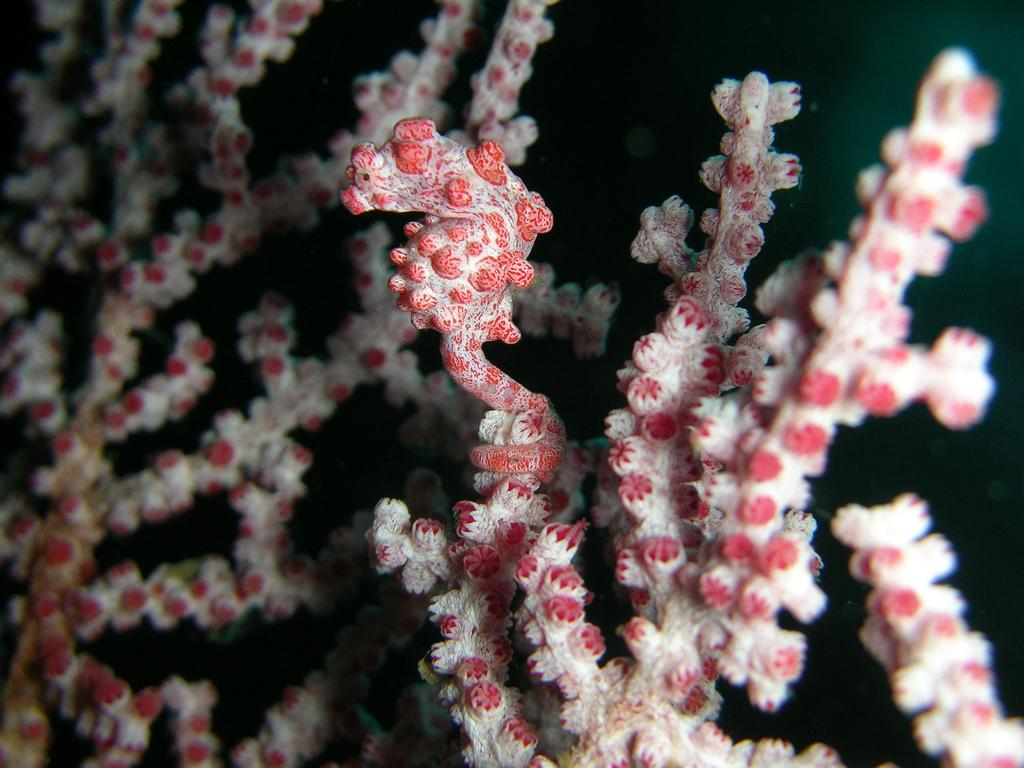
<point>146,420</point>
